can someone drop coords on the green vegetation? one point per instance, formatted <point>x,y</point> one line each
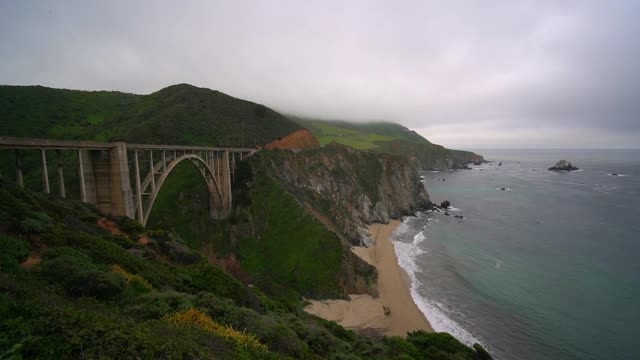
<point>183,208</point>
<point>179,114</point>
<point>388,138</point>
<point>361,140</point>
<point>291,250</point>
<point>306,261</point>
<point>71,289</point>
<point>98,295</point>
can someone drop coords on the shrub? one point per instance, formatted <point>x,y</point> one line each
<point>197,318</point>
<point>37,222</point>
<point>439,344</point>
<point>14,251</point>
<point>129,226</point>
<point>397,347</point>
<point>134,280</point>
<point>156,304</point>
<point>279,336</point>
<point>96,283</point>
<point>78,275</point>
<point>206,277</point>
<point>214,305</point>
<point>481,352</point>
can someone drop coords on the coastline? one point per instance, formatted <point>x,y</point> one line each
<point>394,289</point>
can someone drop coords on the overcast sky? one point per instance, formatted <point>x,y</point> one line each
<point>462,73</point>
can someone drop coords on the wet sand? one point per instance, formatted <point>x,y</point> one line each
<point>365,311</point>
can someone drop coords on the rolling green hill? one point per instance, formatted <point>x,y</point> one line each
<point>386,137</point>
<point>179,114</point>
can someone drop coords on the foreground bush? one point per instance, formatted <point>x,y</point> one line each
<point>194,317</point>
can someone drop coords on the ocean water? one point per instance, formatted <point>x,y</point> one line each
<point>547,269</point>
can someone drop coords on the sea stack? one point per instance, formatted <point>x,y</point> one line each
<point>563,165</point>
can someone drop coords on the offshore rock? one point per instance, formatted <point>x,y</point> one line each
<point>563,165</point>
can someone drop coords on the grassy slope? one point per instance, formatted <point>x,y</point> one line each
<point>384,137</point>
<point>178,114</point>
<point>75,305</point>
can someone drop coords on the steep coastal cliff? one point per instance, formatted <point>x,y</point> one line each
<point>349,188</point>
<point>389,138</point>
<point>296,214</point>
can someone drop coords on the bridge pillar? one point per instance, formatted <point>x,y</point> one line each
<point>220,207</point>
<point>121,194</point>
<point>225,181</point>
<point>105,180</point>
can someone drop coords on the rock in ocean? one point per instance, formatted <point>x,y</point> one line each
<point>563,165</point>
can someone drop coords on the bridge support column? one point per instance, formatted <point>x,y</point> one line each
<point>62,192</point>
<point>104,180</point>
<point>83,187</point>
<point>19,178</point>
<point>45,173</point>
<point>120,184</point>
<point>140,212</point>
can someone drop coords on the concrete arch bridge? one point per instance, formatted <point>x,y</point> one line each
<point>123,179</point>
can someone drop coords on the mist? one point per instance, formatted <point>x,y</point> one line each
<point>461,73</point>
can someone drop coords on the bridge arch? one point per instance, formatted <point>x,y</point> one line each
<point>219,188</point>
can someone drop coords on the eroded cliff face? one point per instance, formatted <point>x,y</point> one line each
<point>350,189</point>
<point>445,159</point>
<point>297,140</point>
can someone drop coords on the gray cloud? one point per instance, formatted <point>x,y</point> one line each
<point>464,73</point>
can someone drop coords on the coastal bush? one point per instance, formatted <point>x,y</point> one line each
<point>173,247</point>
<point>197,318</point>
<point>273,331</point>
<point>156,304</point>
<point>215,306</point>
<point>399,348</point>
<point>14,252</point>
<point>129,226</point>
<point>439,345</point>
<point>132,279</point>
<point>78,275</point>
<point>206,277</point>
<point>37,223</point>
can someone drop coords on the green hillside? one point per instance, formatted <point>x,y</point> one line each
<point>179,114</point>
<point>94,294</point>
<point>389,138</point>
<point>70,289</point>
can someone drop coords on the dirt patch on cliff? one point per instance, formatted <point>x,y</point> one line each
<point>299,139</point>
<point>144,239</point>
<point>33,259</point>
<point>110,226</point>
<point>230,263</point>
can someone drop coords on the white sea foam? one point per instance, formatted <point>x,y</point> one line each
<point>434,311</point>
<point>451,208</point>
<point>618,175</point>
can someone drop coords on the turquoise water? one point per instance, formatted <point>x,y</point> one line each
<point>547,269</point>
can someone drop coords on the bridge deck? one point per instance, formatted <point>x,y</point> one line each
<point>26,143</point>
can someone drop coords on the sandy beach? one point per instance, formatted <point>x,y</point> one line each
<point>365,311</point>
